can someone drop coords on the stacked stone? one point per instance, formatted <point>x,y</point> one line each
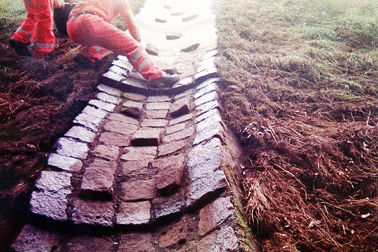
<point>146,165</point>
<point>130,153</point>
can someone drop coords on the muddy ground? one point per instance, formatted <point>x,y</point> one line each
<point>305,111</point>
<point>38,101</point>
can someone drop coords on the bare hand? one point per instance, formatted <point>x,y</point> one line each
<point>59,3</point>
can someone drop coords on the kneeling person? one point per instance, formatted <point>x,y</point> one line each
<point>90,25</point>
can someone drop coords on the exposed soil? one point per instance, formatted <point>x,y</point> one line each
<point>310,140</point>
<point>38,101</point>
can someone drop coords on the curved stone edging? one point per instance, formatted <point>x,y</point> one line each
<point>147,159</point>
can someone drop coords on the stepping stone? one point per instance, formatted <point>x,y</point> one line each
<point>157,114</point>
<point>205,171</point>
<point>211,85</point>
<point>173,36</point>
<point>173,234</point>
<point>167,206</point>
<point>136,242</point>
<point>132,108</point>
<point>106,98</point>
<point>134,213</point>
<point>208,97</point>
<point>206,64</point>
<point>93,212</point>
<point>65,163</point>
<point>91,121</point>
<point>72,148</point>
<point>169,172</point>
<point>150,49</point>
<point>109,77</point>
<point>180,107</point>
<point>135,167</point>
<point>158,106</point>
<point>224,239</point>
<point>188,18</point>
<point>186,83</point>
<point>109,107</point>
<point>121,124</point>
<point>118,70</point>
<point>206,74</point>
<point>124,63</point>
<point>172,147</point>
<point>214,214</point>
<point>98,179</point>
<point>134,97</point>
<point>154,123</point>
<point>160,20</point>
<point>109,90</point>
<point>115,139</point>
<point>181,119</point>
<point>178,13</point>
<point>139,153</point>
<point>210,53</point>
<point>177,127</point>
<point>35,239</point>
<point>87,243</point>
<point>81,133</point>
<point>122,118</point>
<point>190,48</point>
<point>161,98</point>
<point>51,199</point>
<point>207,107</point>
<point>139,190</point>
<point>179,135</point>
<point>147,136</point>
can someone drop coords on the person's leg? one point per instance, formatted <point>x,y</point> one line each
<point>89,55</point>
<point>44,37</point>
<point>25,33</point>
<point>91,30</point>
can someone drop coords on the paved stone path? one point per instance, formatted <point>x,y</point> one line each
<point>146,169</point>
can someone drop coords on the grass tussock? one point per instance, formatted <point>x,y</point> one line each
<point>10,10</point>
<point>301,93</point>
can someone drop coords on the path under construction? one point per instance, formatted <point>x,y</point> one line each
<point>146,169</point>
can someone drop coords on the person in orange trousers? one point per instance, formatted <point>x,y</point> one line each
<point>90,25</point>
<point>37,26</point>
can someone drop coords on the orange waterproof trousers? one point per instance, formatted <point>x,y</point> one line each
<point>91,30</point>
<point>37,26</point>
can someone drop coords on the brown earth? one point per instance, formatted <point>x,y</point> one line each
<point>310,140</point>
<point>38,101</point>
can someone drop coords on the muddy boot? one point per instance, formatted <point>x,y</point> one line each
<point>20,48</point>
<point>84,62</point>
<point>167,80</point>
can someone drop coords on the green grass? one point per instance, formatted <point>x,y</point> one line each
<point>10,11</point>
<point>315,37</point>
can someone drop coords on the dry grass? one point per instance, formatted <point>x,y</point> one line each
<point>301,93</point>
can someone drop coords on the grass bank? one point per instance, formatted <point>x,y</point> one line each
<point>301,93</point>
